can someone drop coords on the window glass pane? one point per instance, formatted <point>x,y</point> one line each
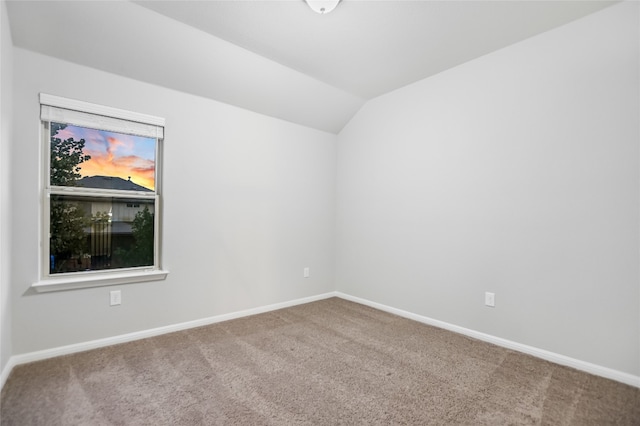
<point>92,158</point>
<point>96,233</point>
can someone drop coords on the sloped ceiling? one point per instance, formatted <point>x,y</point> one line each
<point>278,57</point>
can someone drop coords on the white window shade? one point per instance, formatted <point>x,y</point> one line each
<point>78,113</point>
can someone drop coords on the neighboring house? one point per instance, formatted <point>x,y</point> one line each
<point>111,221</point>
<point>121,210</point>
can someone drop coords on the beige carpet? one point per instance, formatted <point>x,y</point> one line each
<point>330,362</point>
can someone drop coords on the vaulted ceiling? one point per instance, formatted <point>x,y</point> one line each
<point>279,58</point>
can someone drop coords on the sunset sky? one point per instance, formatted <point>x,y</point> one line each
<point>115,154</point>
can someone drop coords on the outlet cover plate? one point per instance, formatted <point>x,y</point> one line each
<point>490,299</point>
<point>116,297</point>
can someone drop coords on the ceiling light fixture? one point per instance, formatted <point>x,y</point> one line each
<point>322,6</point>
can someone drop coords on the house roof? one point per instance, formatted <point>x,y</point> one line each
<point>110,182</point>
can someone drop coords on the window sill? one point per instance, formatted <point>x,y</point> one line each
<point>98,280</point>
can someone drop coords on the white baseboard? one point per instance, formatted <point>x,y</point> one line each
<point>4,375</point>
<point>129,337</point>
<point>587,367</point>
<point>539,353</point>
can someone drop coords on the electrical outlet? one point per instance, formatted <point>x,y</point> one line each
<point>490,299</point>
<point>116,297</point>
<point>306,272</point>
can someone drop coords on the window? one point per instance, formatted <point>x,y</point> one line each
<point>101,195</point>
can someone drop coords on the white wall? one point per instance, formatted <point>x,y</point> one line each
<point>248,203</point>
<point>6,69</point>
<point>516,173</point>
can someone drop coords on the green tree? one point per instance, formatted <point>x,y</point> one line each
<point>66,157</point>
<point>142,229</point>
<point>67,219</point>
<point>68,238</point>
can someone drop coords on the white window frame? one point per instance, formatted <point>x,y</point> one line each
<point>70,111</point>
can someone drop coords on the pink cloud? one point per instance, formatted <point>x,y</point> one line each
<point>140,170</point>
